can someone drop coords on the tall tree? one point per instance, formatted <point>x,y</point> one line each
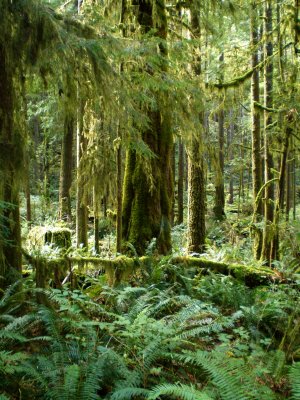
<point>146,207</point>
<point>268,157</point>
<point>180,181</point>
<point>66,166</point>
<point>81,207</point>
<point>256,135</point>
<point>196,173</point>
<point>219,185</point>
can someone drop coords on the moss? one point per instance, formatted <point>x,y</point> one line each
<point>41,235</point>
<point>252,276</point>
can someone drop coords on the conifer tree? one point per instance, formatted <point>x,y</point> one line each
<point>146,206</point>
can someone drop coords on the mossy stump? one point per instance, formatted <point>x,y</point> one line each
<point>40,236</point>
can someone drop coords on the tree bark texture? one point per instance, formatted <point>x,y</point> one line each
<point>81,207</point>
<point>11,157</point>
<point>257,178</point>
<point>269,163</point>
<point>180,182</point>
<point>146,209</point>
<point>196,196</point>
<point>196,175</point>
<point>219,187</point>
<point>66,169</point>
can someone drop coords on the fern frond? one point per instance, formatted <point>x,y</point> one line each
<point>294,376</point>
<point>183,392</point>
<point>230,376</point>
<point>129,393</point>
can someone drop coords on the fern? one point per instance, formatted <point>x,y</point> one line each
<point>183,392</point>
<point>230,376</point>
<point>294,377</point>
<point>129,393</point>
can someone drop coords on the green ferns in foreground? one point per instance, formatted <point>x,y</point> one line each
<point>212,338</point>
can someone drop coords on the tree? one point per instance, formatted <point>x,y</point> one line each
<point>256,136</point>
<point>146,205</point>
<point>196,173</point>
<point>268,157</point>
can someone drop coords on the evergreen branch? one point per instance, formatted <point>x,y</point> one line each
<point>241,79</point>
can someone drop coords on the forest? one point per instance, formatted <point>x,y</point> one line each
<point>149,199</point>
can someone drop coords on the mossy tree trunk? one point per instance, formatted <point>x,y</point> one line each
<point>180,182</point>
<point>119,194</point>
<point>266,253</point>
<point>11,157</point>
<point>81,207</point>
<point>196,175</point>
<point>196,196</point>
<point>146,209</point>
<point>281,183</point>
<point>67,154</point>
<point>219,186</point>
<point>256,136</point>
<point>230,135</point>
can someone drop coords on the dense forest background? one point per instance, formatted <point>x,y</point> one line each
<point>149,199</point>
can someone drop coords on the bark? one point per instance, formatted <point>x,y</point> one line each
<point>180,181</point>
<point>196,174</point>
<point>288,192</point>
<point>281,185</point>
<point>81,207</point>
<point>28,200</point>
<point>11,156</point>
<point>269,163</point>
<point>173,211</point>
<point>256,136</point>
<point>119,198</point>
<point>146,209</point>
<point>230,132</point>
<point>196,205</point>
<point>219,187</point>
<point>65,181</point>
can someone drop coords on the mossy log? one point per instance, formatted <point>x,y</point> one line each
<point>121,268</point>
<point>117,269</point>
<point>252,276</point>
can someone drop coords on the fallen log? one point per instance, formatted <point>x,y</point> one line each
<point>250,275</point>
<point>121,268</point>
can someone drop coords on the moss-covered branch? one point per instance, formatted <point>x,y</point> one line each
<point>242,78</point>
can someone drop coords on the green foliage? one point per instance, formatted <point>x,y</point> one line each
<point>294,375</point>
<point>147,342</point>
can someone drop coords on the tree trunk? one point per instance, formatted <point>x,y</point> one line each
<point>81,208</point>
<point>28,200</point>
<point>230,133</point>
<point>257,178</point>
<point>196,175</point>
<point>146,209</point>
<point>281,184</point>
<point>65,181</point>
<point>219,187</point>
<point>180,182</point>
<point>173,211</point>
<point>196,204</point>
<point>119,197</point>
<point>269,163</point>
<point>288,192</point>
<point>11,156</point>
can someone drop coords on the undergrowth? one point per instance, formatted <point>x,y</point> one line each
<point>177,336</point>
